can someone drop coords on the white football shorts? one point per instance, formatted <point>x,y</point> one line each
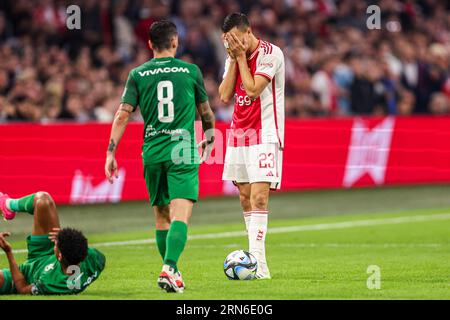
<point>255,163</point>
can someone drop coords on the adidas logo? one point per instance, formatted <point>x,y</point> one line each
<point>260,235</point>
<point>270,174</point>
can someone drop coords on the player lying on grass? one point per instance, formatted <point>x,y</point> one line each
<point>168,92</point>
<point>59,260</point>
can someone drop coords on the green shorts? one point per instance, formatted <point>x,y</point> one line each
<point>39,248</point>
<point>167,181</point>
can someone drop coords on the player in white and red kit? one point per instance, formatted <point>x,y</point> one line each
<point>255,75</point>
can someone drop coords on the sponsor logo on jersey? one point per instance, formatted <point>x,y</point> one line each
<point>266,64</point>
<point>150,131</point>
<point>49,267</point>
<point>368,151</point>
<point>243,100</point>
<point>163,70</point>
<point>270,174</point>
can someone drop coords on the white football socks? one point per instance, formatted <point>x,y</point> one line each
<point>257,230</point>
<point>247,217</point>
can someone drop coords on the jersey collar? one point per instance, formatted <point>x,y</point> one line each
<point>252,55</point>
<point>162,60</point>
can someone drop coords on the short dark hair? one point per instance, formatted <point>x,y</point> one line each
<point>235,19</point>
<point>19,99</point>
<point>160,34</point>
<point>73,246</point>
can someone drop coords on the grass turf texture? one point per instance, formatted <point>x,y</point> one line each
<point>414,257</point>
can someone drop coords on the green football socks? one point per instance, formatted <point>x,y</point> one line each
<point>25,204</point>
<point>161,239</point>
<point>176,240</point>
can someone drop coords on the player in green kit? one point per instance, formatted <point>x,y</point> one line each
<point>59,260</point>
<point>168,92</point>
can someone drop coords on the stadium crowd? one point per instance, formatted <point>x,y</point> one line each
<point>335,65</point>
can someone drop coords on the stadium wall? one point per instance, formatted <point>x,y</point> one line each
<point>67,160</point>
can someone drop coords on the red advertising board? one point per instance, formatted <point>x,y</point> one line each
<point>67,160</point>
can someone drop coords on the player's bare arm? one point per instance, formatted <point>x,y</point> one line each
<point>51,251</point>
<point>208,119</point>
<point>253,85</point>
<point>118,128</point>
<point>20,283</point>
<point>226,88</point>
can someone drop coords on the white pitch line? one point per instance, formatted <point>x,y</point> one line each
<point>320,245</point>
<point>290,229</point>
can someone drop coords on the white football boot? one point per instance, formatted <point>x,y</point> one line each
<point>170,280</point>
<point>262,272</point>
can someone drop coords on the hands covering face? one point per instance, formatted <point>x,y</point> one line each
<point>234,46</point>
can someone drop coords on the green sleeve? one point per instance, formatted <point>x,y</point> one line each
<point>200,91</point>
<point>130,93</point>
<point>98,257</point>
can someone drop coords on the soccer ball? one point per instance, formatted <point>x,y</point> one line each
<point>240,265</point>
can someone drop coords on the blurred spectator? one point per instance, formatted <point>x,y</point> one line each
<point>5,32</point>
<point>324,85</point>
<point>335,66</point>
<point>439,104</point>
<point>406,103</point>
<point>124,34</point>
<point>367,91</point>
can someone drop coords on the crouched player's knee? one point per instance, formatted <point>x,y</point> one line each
<point>44,198</point>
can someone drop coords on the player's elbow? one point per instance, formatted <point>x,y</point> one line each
<point>225,94</point>
<point>23,289</point>
<point>225,98</point>
<point>209,117</point>
<point>253,94</point>
<point>122,117</point>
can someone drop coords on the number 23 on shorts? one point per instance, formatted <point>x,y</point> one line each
<point>266,160</point>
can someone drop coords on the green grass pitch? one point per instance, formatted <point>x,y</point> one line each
<point>320,247</point>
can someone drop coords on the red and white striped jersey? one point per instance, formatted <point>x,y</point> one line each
<point>261,120</point>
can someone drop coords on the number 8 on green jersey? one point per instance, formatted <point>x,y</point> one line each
<point>167,91</point>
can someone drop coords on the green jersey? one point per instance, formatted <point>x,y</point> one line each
<point>167,91</point>
<point>43,271</point>
<point>47,276</point>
